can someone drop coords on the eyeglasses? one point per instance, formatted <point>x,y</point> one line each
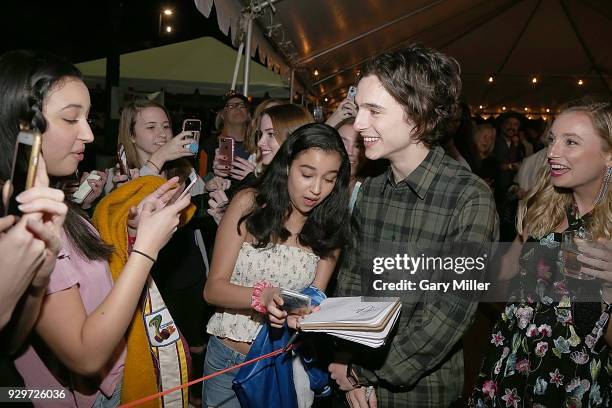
<point>235,106</point>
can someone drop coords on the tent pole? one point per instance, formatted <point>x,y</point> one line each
<point>237,66</point>
<point>247,55</point>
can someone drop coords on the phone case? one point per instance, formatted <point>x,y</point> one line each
<point>22,181</point>
<point>122,159</point>
<point>293,301</point>
<point>352,91</point>
<point>226,148</point>
<point>194,126</point>
<point>84,189</point>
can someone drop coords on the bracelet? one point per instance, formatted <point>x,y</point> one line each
<point>256,296</point>
<point>154,165</point>
<point>145,255</point>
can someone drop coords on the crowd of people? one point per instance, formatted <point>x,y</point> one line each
<point>172,266</point>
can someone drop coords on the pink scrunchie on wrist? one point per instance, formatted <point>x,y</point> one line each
<point>256,296</point>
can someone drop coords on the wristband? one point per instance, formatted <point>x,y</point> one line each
<point>143,254</point>
<point>256,296</point>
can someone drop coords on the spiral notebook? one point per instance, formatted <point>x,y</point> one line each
<point>366,321</point>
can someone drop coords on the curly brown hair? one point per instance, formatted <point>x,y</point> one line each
<point>426,83</point>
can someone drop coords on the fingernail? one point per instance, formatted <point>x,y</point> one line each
<point>24,207</point>
<point>21,197</point>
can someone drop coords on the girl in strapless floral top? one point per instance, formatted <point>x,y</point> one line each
<point>286,232</point>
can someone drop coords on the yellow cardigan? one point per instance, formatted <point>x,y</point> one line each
<point>110,218</point>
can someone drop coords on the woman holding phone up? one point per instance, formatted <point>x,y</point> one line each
<point>84,315</point>
<point>145,132</point>
<point>285,232</point>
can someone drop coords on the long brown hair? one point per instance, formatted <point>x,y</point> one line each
<point>129,115</point>
<point>285,119</point>
<point>543,210</point>
<point>252,134</point>
<point>26,80</point>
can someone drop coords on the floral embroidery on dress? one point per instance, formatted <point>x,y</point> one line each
<point>536,357</point>
<point>284,266</point>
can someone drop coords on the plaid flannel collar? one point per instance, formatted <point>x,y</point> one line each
<point>422,177</point>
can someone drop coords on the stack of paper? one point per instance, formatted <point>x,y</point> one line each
<point>365,321</point>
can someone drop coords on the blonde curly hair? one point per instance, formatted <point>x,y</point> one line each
<point>543,209</point>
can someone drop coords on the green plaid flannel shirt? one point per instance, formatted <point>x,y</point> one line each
<point>439,201</point>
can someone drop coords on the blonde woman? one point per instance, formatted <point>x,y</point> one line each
<point>145,132</point>
<point>547,349</point>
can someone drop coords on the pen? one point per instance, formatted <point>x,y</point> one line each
<point>291,341</point>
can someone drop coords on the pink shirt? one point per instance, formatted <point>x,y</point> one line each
<point>94,281</point>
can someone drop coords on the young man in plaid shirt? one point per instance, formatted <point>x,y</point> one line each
<point>406,99</point>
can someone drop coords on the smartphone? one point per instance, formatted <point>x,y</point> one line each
<point>192,180</point>
<point>295,303</point>
<point>226,148</point>
<point>85,189</point>
<point>194,126</point>
<point>122,159</point>
<point>352,91</point>
<point>317,113</point>
<point>25,162</point>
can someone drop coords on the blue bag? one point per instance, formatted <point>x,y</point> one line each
<point>269,382</point>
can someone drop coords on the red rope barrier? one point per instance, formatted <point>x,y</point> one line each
<point>207,377</point>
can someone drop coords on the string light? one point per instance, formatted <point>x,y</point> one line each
<point>503,108</point>
<point>534,80</point>
<point>168,29</point>
<point>479,106</point>
<point>490,79</point>
<point>168,12</point>
<point>526,109</point>
<point>316,72</point>
<point>547,110</point>
<point>580,82</point>
<point>326,99</point>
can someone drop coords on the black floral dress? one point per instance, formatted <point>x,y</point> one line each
<point>540,354</point>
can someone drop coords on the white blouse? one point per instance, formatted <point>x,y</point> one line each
<point>283,266</point>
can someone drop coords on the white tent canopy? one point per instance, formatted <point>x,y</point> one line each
<point>204,64</point>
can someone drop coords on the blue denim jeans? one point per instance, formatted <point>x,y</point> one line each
<point>218,392</point>
<point>112,402</point>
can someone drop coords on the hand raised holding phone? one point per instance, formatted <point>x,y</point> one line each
<point>29,247</point>
<point>175,148</point>
<point>346,109</point>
